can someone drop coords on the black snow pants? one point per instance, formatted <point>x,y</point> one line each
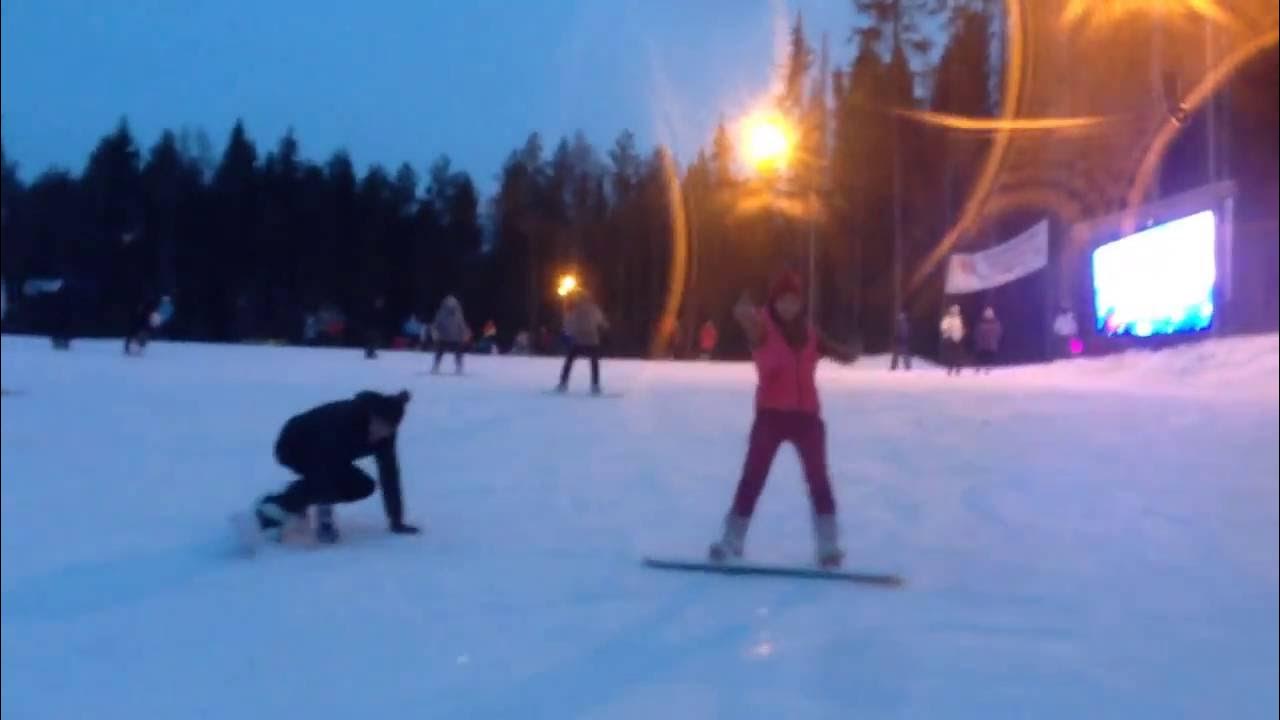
<point>321,482</point>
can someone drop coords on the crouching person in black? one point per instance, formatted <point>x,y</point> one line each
<point>321,445</point>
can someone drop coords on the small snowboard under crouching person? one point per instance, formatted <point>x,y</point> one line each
<point>786,350</point>
<point>321,445</point>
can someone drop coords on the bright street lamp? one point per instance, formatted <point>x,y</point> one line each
<point>768,141</point>
<point>768,144</point>
<point>568,284</point>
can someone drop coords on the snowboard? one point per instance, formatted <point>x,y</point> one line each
<point>443,374</point>
<point>589,396</point>
<point>738,567</point>
<point>248,539</point>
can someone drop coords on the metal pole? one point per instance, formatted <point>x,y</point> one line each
<point>897,224</point>
<point>1211,116</point>
<point>813,277</point>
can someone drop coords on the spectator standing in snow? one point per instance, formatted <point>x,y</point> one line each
<point>1067,332</point>
<point>786,349</point>
<point>708,338</point>
<point>413,332</point>
<point>582,327</point>
<point>986,340</point>
<point>310,329</point>
<point>488,344</point>
<point>451,333</point>
<point>321,445</point>
<point>521,345</point>
<point>901,342</point>
<point>952,331</point>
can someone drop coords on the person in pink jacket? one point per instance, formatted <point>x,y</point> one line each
<point>786,350</point>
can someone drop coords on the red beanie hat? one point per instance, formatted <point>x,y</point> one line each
<point>787,282</point>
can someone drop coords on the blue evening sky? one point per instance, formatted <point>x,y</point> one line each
<point>390,80</point>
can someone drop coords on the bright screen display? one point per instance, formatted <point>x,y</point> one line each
<point>1159,281</point>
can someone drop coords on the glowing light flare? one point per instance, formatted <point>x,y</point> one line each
<point>971,123</point>
<point>768,141</point>
<point>1107,13</point>
<point>568,284</point>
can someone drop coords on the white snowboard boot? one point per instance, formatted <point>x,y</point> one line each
<point>826,536</point>
<point>731,540</point>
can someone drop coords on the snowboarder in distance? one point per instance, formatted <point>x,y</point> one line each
<point>952,330</point>
<point>785,349</point>
<point>375,317</point>
<point>321,445</point>
<point>1067,331</point>
<point>986,340</point>
<point>583,325</point>
<point>901,343</point>
<point>708,338</point>
<point>148,319</point>
<point>451,333</point>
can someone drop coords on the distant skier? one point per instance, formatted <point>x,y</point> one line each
<point>583,326</point>
<point>320,445</point>
<point>901,343</point>
<point>59,306</point>
<point>708,338</point>
<point>986,340</point>
<point>451,333</point>
<point>374,320</point>
<point>786,350</point>
<point>148,320</point>
<point>952,331</point>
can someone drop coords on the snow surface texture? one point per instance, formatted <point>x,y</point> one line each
<point>1095,538</point>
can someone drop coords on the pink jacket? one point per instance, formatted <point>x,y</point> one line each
<point>786,375</point>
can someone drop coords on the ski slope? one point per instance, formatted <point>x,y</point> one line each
<point>1095,538</point>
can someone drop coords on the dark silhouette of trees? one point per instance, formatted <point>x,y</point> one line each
<point>249,241</point>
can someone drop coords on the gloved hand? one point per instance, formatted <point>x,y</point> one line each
<point>400,528</point>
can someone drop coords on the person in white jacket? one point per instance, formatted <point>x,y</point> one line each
<point>1067,331</point>
<point>952,331</point>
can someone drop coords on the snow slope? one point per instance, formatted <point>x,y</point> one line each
<point>1094,538</point>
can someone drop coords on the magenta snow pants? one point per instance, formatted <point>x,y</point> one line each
<point>773,427</point>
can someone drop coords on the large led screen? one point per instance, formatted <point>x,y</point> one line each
<point>1159,281</point>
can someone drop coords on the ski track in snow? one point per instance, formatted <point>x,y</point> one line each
<point>1095,538</point>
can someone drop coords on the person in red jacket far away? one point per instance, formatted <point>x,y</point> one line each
<point>786,349</point>
<point>708,338</point>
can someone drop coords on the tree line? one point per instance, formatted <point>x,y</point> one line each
<point>248,241</point>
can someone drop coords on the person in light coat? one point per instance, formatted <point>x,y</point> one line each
<point>451,333</point>
<point>583,325</point>
<point>952,331</point>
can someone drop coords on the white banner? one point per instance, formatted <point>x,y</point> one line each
<point>1019,257</point>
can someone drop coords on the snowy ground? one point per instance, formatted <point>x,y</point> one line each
<point>1092,539</point>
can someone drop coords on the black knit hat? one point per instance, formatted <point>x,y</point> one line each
<point>385,407</point>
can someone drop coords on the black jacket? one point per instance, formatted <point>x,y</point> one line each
<point>337,433</point>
